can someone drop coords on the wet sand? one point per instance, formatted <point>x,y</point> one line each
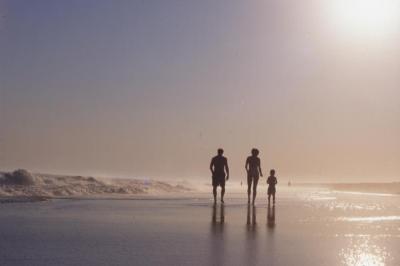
<point>306,227</point>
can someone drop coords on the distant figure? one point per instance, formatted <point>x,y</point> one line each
<point>253,169</point>
<point>219,167</point>
<point>272,181</point>
<point>289,184</point>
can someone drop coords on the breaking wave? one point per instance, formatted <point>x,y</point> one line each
<point>22,183</point>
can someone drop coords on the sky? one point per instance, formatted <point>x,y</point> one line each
<point>152,88</point>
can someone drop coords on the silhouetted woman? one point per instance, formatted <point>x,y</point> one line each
<point>253,169</point>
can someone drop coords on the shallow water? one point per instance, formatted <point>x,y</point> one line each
<point>306,227</point>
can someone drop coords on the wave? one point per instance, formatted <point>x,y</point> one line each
<point>22,183</point>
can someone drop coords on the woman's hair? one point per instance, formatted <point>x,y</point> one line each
<point>255,152</point>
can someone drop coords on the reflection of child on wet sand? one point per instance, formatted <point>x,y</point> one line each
<point>272,181</point>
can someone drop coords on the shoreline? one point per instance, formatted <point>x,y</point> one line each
<point>390,188</point>
<point>377,189</point>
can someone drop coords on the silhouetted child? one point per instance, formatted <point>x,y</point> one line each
<point>272,181</point>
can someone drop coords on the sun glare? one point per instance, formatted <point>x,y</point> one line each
<point>366,17</point>
<point>363,253</point>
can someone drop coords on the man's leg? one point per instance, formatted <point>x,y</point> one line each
<point>215,193</point>
<point>273,197</point>
<point>222,193</point>
<point>255,183</point>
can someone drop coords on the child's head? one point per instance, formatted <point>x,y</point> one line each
<point>272,172</point>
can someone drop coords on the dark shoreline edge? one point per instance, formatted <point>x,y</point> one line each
<point>22,199</point>
<point>142,196</point>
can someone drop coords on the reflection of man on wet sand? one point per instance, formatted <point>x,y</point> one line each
<point>218,168</point>
<point>217,240</point>
<point>221,217</point>
<point>218,219</point>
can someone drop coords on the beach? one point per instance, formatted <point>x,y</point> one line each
<point>121,120</point>
<point>306,227</point>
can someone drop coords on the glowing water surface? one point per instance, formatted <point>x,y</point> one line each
<point>306,227</point>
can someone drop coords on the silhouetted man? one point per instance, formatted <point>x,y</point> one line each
<point>218,167</point>
<point>253,169</point>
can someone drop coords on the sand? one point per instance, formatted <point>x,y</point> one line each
<point>308,227</point>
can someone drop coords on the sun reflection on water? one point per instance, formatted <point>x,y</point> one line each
<point>370,219</point>
<point>363,253</point>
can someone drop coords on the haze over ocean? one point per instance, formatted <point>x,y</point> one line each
<point>153,88</point>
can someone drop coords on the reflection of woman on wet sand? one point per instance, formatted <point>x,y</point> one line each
<point>253,169</point>
<point>251,217</point>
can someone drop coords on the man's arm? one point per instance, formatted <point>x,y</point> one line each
<point>227,169</point>
<point>259,168</point>
<point>211,166</point>
<point>246,166</point>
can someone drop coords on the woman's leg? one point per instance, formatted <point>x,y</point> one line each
<point>249,182</point>
<point>255,183</point>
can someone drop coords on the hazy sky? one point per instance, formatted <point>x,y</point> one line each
<point>152,88</point>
